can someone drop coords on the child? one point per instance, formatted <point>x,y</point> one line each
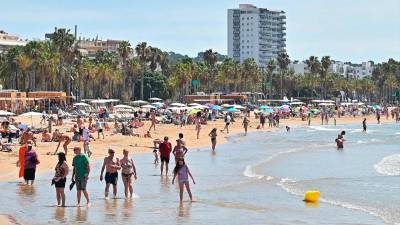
<point>287,129</point>
<point>155,156</point>
<point>183,173</point>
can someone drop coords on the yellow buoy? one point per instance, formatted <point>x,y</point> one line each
<point>311,196</point>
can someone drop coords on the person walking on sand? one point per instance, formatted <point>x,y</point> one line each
<point>198,126</point>
<point>80,174</point>
<point>165,148</point>
<point>245,124</point>
<point>179,150</point>
<point>183,173</point>
<point>111,164</point>
<point>100,128</point>
<point>213,135</point>
<point>364,124</point>
<point>153,120</point>
<point>128,170</point>
<point>60,178</point>
<point>228,119</point>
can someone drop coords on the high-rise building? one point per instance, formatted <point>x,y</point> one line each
<point>256,33</point>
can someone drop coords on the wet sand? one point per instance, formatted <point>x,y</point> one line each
<point>141,144</point>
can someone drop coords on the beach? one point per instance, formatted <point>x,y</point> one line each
<point>140,144</point>
<point>257,179</point>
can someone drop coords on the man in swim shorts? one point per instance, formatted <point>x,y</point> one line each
<point>111,164</point>
<point>165,151</point>
<point>80,174</point>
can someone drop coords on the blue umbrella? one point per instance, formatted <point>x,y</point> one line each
<point>264,107</point>
<point>216,107</point>
<point>268,110</point>
<point>232,110</point>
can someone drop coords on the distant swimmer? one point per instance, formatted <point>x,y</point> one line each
<point>364,124</point>
<point>340,140</point>
<point>287,129</point>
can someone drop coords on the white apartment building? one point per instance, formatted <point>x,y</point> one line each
<point>256,33</point>
<point>352,70</point>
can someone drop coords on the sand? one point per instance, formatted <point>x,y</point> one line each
<point>140,144</point>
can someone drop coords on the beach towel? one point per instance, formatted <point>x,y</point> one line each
<point>22,151</point>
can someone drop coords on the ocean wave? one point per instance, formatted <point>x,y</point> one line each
<point>321,128</point>
<point>372,140</point>
<point>398,133</point>
<point>249,172</point>
<point>389,165</point>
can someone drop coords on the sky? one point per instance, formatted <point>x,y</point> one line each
<point>347,30</point>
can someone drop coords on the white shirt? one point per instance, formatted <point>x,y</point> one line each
<point>228,118</point>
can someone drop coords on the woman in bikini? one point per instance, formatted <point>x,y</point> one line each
<point>213,136</point>
<point>128,170</point>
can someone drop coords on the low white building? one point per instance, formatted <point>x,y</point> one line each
<point>8,41</point>
<point>298,68</point>
<point>352,70</point>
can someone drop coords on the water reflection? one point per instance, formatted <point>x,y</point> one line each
<point>59,214</point>
<point>26,190</point>
<point>81,214</point>
<point>184,210</point>
<point>164,184</point>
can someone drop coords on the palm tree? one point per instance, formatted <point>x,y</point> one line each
<point>124,49</point>
<point>133,67</point>
<point>210,58</point>
<point>271,66</point>
<point>314,68</point>
<point>325,64</point>
<point>64,41</point>
<point>24,63</point>
<point>283,63</point>
<point>143,52</point>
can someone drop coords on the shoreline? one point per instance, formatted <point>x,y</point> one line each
<point>145,145</point>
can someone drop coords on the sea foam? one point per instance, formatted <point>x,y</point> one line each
<point>390,165</point>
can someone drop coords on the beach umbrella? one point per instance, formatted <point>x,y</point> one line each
<point>194,111</point>
<point>232,110</point>
<point>5,113</point>
<point>267,110</point>
<point>216,107</point>
<point>31,115</point>
<point>193,104</point>
<point>123,107</point>
<point>147,107</point>
<point>81,104</point>
<point>315,110</point>
<point>238,107</point>
<point>296,103</point>
<point>158,104</point>
<point>264,107</point>
<point>177,104</point>
<point>200,107</point>
<point>140,102</point>
<point>227,106</point>
<point>155,99</point>
<point>285,108</point>
<point>376,106</point>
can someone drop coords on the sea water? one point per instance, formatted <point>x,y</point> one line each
<point>256,179</point>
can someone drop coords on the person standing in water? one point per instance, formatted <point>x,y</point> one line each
<point>183,173</point>
<point>165,152</point>
<point>179,150</point>
<point>111,164</point>
<point>213,135</point>
<point>245,124</point>
<point>128,170</point>
<point>80,174</point>
<point>30,162</point>
<point>378,117</point>
<point>60,178</point>
<point>364,124</point>
<point>340,140</point>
